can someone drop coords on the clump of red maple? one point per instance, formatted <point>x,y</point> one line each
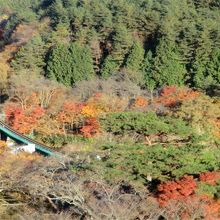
<point>209,177</point>
<point>30,115</point>
<point>176,190</point>
<point>22,120</point>
<point>173,95</point>
<point>184,191</point>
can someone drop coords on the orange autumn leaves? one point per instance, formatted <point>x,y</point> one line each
<point>90,128</point>
<point>172,95</point>
<point>70,113</point>
<point>176,190</point>
<point>184,191</point>
<point>70,117</point>
<point>82,117</point>
<point>21,120</point>
<point>81,114</point>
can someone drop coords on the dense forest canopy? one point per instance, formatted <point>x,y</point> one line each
<point>156,42</point>
<point>128,92</point>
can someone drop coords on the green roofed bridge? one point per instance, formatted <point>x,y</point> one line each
<point>7,131</point>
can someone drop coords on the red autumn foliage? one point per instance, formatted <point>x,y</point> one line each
<point>176,190</point>
<point>70,111</point>
<point>211,207</point>
<point>209,177</point>
<point>181,193</point>
<point>24,121</point>
<point>73,107</point>
<point>90,128</point>
<point>12,113</point>
<point>172,95</point>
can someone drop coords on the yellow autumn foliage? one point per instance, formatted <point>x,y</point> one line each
<point>3,146</point>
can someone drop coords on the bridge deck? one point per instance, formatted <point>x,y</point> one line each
<point>41,148</point>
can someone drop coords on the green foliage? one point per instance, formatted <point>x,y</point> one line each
<point>122,41</point>
<point>59,65</point>
<point>31,56</point>
<point>213,67</point>
<point>138,163</point>
<point>168,68</point>
<point>109,67</point>
<point>61,34</point>
<point>143,123</point>
<point>25,10</point>
<point>212,190</point>
<point>58,12</point>
<point>180,38</point>
<point>58,141</point>
<point>127,122</point>
<point>178,126</point>
<point>69,63</point>
<point>147,69</point>
<point>135,57</point>
<point>134,63</point>
<point>202,77</point>
<point>206,189</point>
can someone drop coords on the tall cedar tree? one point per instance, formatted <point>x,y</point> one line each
<point>147,70</point>
<point>31,56</point>
<point>135,57</point>
<point>122,42</point>
<point>69,63</point>
<point>168,67</point>
<point>201,77</point>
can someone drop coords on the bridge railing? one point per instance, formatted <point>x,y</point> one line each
<point>20,137</point>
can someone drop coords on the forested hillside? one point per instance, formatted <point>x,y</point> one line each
<point>128,91</point>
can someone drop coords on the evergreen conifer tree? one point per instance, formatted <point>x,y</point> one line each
<point>70,63</point>
<point>168,68</point>
<point>122,42</point>
<point>147,69</point>
<point>135,57</point>
<point>110,66</point>
<point>201,77</point>
<point>58,13</point>
<point>30,56</point>
<point>214,65</point>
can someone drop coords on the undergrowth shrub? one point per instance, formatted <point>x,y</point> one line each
<point>58,141</point>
